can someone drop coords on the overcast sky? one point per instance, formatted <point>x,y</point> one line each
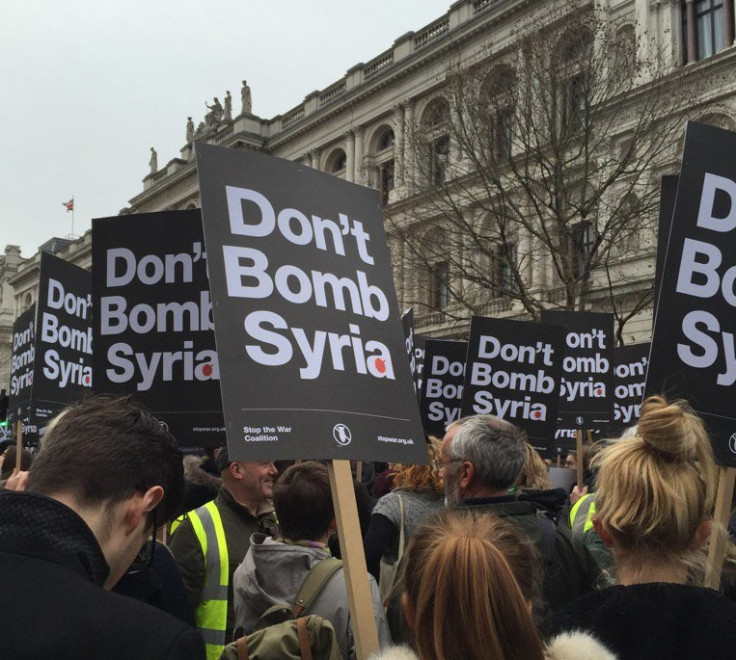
<point>89,87</point>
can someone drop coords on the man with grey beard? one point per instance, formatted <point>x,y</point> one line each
<point>481,458</point>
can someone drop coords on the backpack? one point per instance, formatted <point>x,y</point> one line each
<point>285,633</point>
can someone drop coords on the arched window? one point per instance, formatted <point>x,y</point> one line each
<point>499,91</point>
<point>436,113</point>
<point>337,162</point>
<point>382,147</point>
<point>573,57</point>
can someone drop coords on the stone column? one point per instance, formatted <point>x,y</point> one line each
<point>359,175</point>
<point>314,153</point>
<point>399,145</point>
<point>408,133</point>
<point>350,153</point>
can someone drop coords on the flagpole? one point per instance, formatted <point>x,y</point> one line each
<point>72,217</point>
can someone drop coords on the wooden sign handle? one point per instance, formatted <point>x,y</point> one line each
<point>353,558</point>
<point>18,445</point>
<point>579,456</point>
<point>717,549</point>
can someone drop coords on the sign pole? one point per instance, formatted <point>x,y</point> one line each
<point>717,549</point>
<point>579,456</point>
<point>18,445</point>
<point>356,572</point>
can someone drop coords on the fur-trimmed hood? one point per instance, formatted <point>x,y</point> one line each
<point>567,646</point>
<point>194,474</point>
<point>577,645</point>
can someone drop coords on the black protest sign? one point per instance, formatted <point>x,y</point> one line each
<point>63,365</point>
<point>407,325</point>
<point>153,330</point>
<point>312,354</point>
<point>419,351</point>
<point>514,371</point>
<point>693,347</point>
<point>21,374</point>
<point>629,374</point>
<point>442,384</point>
<point>586,400</point>
<point>667,196</point>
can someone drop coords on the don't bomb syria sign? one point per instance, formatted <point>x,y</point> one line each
<point>693,344</point>
<point>312,354</point>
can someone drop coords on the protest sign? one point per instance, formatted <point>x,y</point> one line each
<point>629,374</point>
<point>667,196</point>
<point>586,400</point>
<point>153,331</point>
<point>442,384</point>
<point>514,371</point>
<point>407,324</point>
<point>21,373</point>
<point>420,343</point>
<point>312,354</point>
<point>693,348</point>
<point>63,364</point>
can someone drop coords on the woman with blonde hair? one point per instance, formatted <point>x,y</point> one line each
<point>469,581</point>
<point>654,501</point>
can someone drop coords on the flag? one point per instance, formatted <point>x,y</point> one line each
<point>69,205</point>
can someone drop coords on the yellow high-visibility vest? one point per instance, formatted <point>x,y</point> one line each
<point>581,515</point>
<point>211,614</point>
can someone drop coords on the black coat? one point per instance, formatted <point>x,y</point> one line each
<point>656,620</point>
<point>52,601</point>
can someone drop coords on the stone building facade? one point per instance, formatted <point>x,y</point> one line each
<point>365,128</point>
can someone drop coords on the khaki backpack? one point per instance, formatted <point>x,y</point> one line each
<point>284,633</point>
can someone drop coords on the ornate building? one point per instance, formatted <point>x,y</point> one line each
<point>393,123</point>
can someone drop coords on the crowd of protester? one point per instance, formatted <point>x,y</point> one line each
<point>114,545</point>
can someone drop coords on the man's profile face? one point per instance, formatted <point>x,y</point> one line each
<point>449,468</point>
<point>258,479</point>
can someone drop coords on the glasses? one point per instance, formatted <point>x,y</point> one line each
<point>450,462</point>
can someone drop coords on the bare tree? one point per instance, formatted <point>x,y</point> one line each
<point>535,181</point>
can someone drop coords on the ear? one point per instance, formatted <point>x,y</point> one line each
<point>602,531</point>
<point>409,611</point>
<point>139,506</point>
<point>466,475</point>
<point>333,526</point>
<point>702,534</point>
<point>235,470</point>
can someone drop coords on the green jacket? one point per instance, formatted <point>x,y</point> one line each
<point>569,569</point>
<point>239,525</point>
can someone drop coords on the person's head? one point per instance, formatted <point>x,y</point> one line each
<point>8,461</point>
<point>303,502</point>
<point>112,462</point>
<point>249,482</point>
<point>571,460</point>
<point>421,477</point>
<point>534,475</point>
<point>478,572</point>
<point>481,456</point>
<point>656,490</point>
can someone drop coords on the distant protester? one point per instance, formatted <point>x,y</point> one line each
<point>654,506</point>
<point>273,570</point>
<point>8,463</point>
<point>470,579</point>
<point>105,477</point>
<point>482,457</point>
<point>417,492</point>
<point>533,484</point>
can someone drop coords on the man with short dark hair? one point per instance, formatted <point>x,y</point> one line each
<point>482,457</point>
<point>273,570</point>
<point>106,476</point>
<point>212,540</point>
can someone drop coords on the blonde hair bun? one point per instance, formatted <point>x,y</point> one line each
<point>668,428</point>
